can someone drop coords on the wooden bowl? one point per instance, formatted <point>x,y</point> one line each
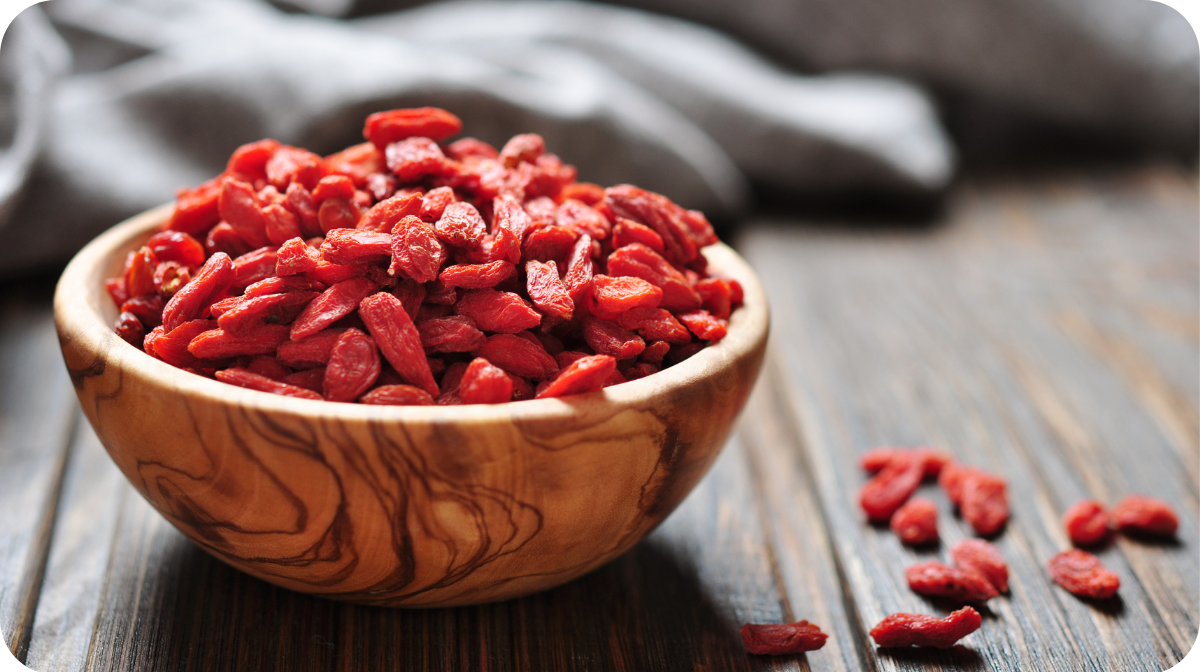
<point>402,506</point>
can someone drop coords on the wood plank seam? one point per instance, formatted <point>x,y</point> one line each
<point>39,551</point>
<point>791,425</point>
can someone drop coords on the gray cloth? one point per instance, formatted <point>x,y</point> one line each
<point>108,106</point>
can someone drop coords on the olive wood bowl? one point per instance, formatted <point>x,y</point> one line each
<point>413,506</point>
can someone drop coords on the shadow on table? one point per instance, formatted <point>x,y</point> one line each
<point>642,611</point>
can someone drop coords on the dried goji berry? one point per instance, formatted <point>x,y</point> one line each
<point>915,522</point>
<point>116,290</point>
<point>436,124</point>
<point>353,367</point>
<point>715,296</point>
<point>548,243</point>
<point>279,285</point>
<point>356,162</point>
<point>220,344</point>
<point>1144,515</point>
<point>397,395</point>
<point>309,379</point>
<point>281,224</point>
<point>254,266</point>
<point>477,276</point>
<point>265,365</point>
<point>639,370</point>
<point>413,158</point>
<point>146,308</point>
<point>434,203</point>
<point>586,374</point>
<point>291,164</point>
<point>170,276</point>
<point>627,232</point>
<point>299,202</point>
<point>607,338</point>
<point>459,150</point>
<point>483,383</point>
<point>525,147</point>
<point>139,272</point>
<point>580,269</point>
<point>903,629</point>
<point>951,480</point>
<point>172,346</point>
<point>295,257</point>
<point>498,312</point>
<point>891,487</point>
<point>239,208</point>
<point>622,293</point>
<point>385,215</point>
<point>657,212</point>
<point>196,210</point>
<point>351,246</point>
<point>1086,522</point>
<point>334,186</point>
<point>984,558</point>
<point>437,293</point>
<point>655,351</point>
<point>249,161</point>
<point>213,278</point>
<point>333,304</point>
<point>177,246</point>
<point>338,213</point>
<point>509,224</point>
<point>397,338</point>
<point>381,186</point>
<point>519,356</point>
<point>771,639</point>
<point>416,251</point>
<point>152,338</point>
<point>877,458</point>
<point>580,216</point>
<point>642,262</point>
<point>129,328</point>
<point>585,192</point>
<point>956,583</point>
<point>329,274</point>
<point>253,381</point>
<point>1082,574</point>
<point>655,324</point>
<point>704,325</point>
<point>309,351</point>
<point>546,289</point>
<point>270,309</point>
<point>455,333</point>
<point>461,225</point>
<point>223,238</point>
<point>984,502</point>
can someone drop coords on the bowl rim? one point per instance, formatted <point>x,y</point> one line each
<point>78,310</point>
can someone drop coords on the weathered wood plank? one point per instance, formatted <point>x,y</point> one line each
<point>93,489</point>
<point>125,591</point>
<point>802,548</point>
<point>955,337</point>
<point>36,407</point>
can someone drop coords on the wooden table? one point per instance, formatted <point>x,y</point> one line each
<point>1048,330</point>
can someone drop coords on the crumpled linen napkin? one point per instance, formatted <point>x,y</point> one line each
<point>124,101</point>
<point>108,106</point>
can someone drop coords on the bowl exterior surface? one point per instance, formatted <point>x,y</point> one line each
<point>401,506</point>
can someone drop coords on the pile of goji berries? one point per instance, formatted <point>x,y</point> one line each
<point>408,270</point>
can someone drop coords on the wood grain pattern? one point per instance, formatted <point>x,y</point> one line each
<point>955,337</point>
<point>1047,331</point>
<point>403,506</point>
<point>36,409</point>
